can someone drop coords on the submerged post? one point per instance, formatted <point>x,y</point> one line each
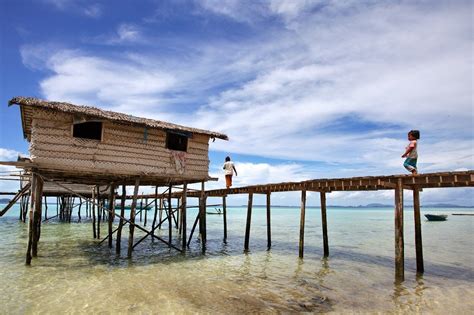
<point>249,219</point>
<point>93,214</point>
<point>132,218</point>
<point>224,209</point>
<point>34,211</point>
<point>111,212</point>
<point>170,215</point>
<point>122,215</point>
<point>183,215</point>
<point>324,223</point>
<point>302,222</point>
<point>154,216</point>
<point>269,226</point>
<point>202,215</point>
<point>399,245</point>
<point>418,243</point>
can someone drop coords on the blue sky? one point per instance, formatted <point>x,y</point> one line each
<point>304,89</point>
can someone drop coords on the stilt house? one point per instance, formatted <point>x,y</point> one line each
<point>88,145</point>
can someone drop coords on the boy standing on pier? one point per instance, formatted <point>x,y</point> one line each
<point>229,169</point>
<point>411,152</point>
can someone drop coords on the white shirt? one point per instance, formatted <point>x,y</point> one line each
<point>229,168</point>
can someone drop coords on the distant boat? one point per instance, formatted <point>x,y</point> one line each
<point>436,217</point>
<point>218,211</point>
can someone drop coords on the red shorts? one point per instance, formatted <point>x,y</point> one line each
<point>228,181</point>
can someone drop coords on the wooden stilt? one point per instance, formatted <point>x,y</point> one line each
<point>94,230</point>
<point>146,211</point>
<point>269,226</point>
<point>224,210</point>
<point>161,213</point>
<point>302,222</point>
<point>155,215</point>
<point>249,219</point>
<point>132,218</point>
<point>31,223</point>
<point>141,208</point>
<point>324,224</point>
<point>99,211</point>
<point>399,243</point>
<point>111,212</point>
<point>183,216</point>
<point>79,211</point>
<point>170,214</point>
<point>45,208</point>
<point>122,215</point>
<point>202,216</point>
<point>418,243</point>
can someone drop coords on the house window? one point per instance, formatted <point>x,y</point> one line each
<point>88,130</point>
<point>175,141</point>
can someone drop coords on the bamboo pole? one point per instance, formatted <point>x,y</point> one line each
<point>111,212</point>
<point>324,224</point>
<point>302,222</point>
<point>249,219</point>
<point>132,217</point>
<point>122,214</point>
<point>269,226</point>
<point>224,209</point>
<point>418,239</point>
<point>183,216</point>
<point>399,243</point>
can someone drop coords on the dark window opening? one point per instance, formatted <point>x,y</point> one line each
<point>88,130</point>
<point>176,142</point>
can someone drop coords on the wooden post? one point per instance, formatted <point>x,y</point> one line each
<point>154,216</point>
<point>183,215</point>
<point>269,226</point>
<point>45,208</point>
<point>122,215</point>
<point>399,244</point>
<point>111,211</point>
<point>94,230</point>
<point>177,213</point>
<point>132,217</point>
<point>302,222</point>
<point>141,208</point>
<point>31,223</point>
<point>99,211</point>
<point>249,219</point>
<point>79,211</point>
<point>146,211</point>
<point>224,209</point>
<point>418,243</point>
<point>202,215</point>
<point>324,223</point>
<point>160,218</point>
<point>37,217</point>
<point>170,215</point>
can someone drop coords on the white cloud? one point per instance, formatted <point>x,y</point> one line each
<point>5,171</point>
<point>93,10</point>
<point>341,84</point>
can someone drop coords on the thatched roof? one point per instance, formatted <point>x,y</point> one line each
<point>107,115</point>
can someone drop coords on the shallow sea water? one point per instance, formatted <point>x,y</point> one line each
<point>75,275</point>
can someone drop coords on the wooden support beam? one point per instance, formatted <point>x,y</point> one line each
<point>302,222</point>
<point>324,224</point>
<point>224,209</point>
<point>184,216</point>
<point>93,214</point>
<point>170,215</point>
<point>269,225</point>
<point>399,242</point>
<point>122,214</point>
<point>132,218</point>
<point>31,225</point>
<point>202,216</point>
<point>418,239</point>
<point>111,212</point>
<point>155,215</point>
<point>37,217</point>
<point>99,210</point>
<point>249,219</point>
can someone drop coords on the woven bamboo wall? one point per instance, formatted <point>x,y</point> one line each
<point>123,149</point>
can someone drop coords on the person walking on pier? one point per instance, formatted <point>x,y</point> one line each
<point>411,152</point>
<point>229,170</point>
